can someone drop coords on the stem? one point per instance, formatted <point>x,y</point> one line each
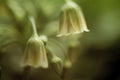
<point>26,73</point>
<point>63,76</point>
<point>32,20</point>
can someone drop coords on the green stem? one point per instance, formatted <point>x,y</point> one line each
<point>32,20</point>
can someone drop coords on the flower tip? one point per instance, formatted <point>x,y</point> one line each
<point>44,38</point>
<point>67,34</point>
<point>56,59</point>
<point>45,66</point>
<point>87,30</point>
<point>68,64</point>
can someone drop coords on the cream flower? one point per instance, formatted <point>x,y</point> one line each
<point>35,53</point>
<point>72,20</point>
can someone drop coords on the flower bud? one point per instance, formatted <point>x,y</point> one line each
<point>35,53</point>
<point>71,20</point>
<point>58,64</point>
<point>68,64</point>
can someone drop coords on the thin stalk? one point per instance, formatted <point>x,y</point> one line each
<point>26,73</point>
<point>63,75</point>
<point>32,20</point>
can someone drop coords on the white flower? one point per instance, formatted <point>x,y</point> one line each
<point>72,20</point>
<point>35,53</point>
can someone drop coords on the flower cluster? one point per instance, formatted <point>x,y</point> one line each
<point>71,22</point>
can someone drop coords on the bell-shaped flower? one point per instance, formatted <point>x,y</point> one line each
<point>35,52</point>
<point>72,20</point>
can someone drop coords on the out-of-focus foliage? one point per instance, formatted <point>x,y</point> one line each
<point>97,56</point>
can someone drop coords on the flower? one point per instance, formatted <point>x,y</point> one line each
<point>72,20</point>
<point>35,53</point>
<point>58,66</point>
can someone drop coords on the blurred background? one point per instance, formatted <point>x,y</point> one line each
<point>95,55</point>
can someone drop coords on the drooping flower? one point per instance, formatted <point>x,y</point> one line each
<point>58,64</point>
<point>35,53</point>
<point>72,20</point>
